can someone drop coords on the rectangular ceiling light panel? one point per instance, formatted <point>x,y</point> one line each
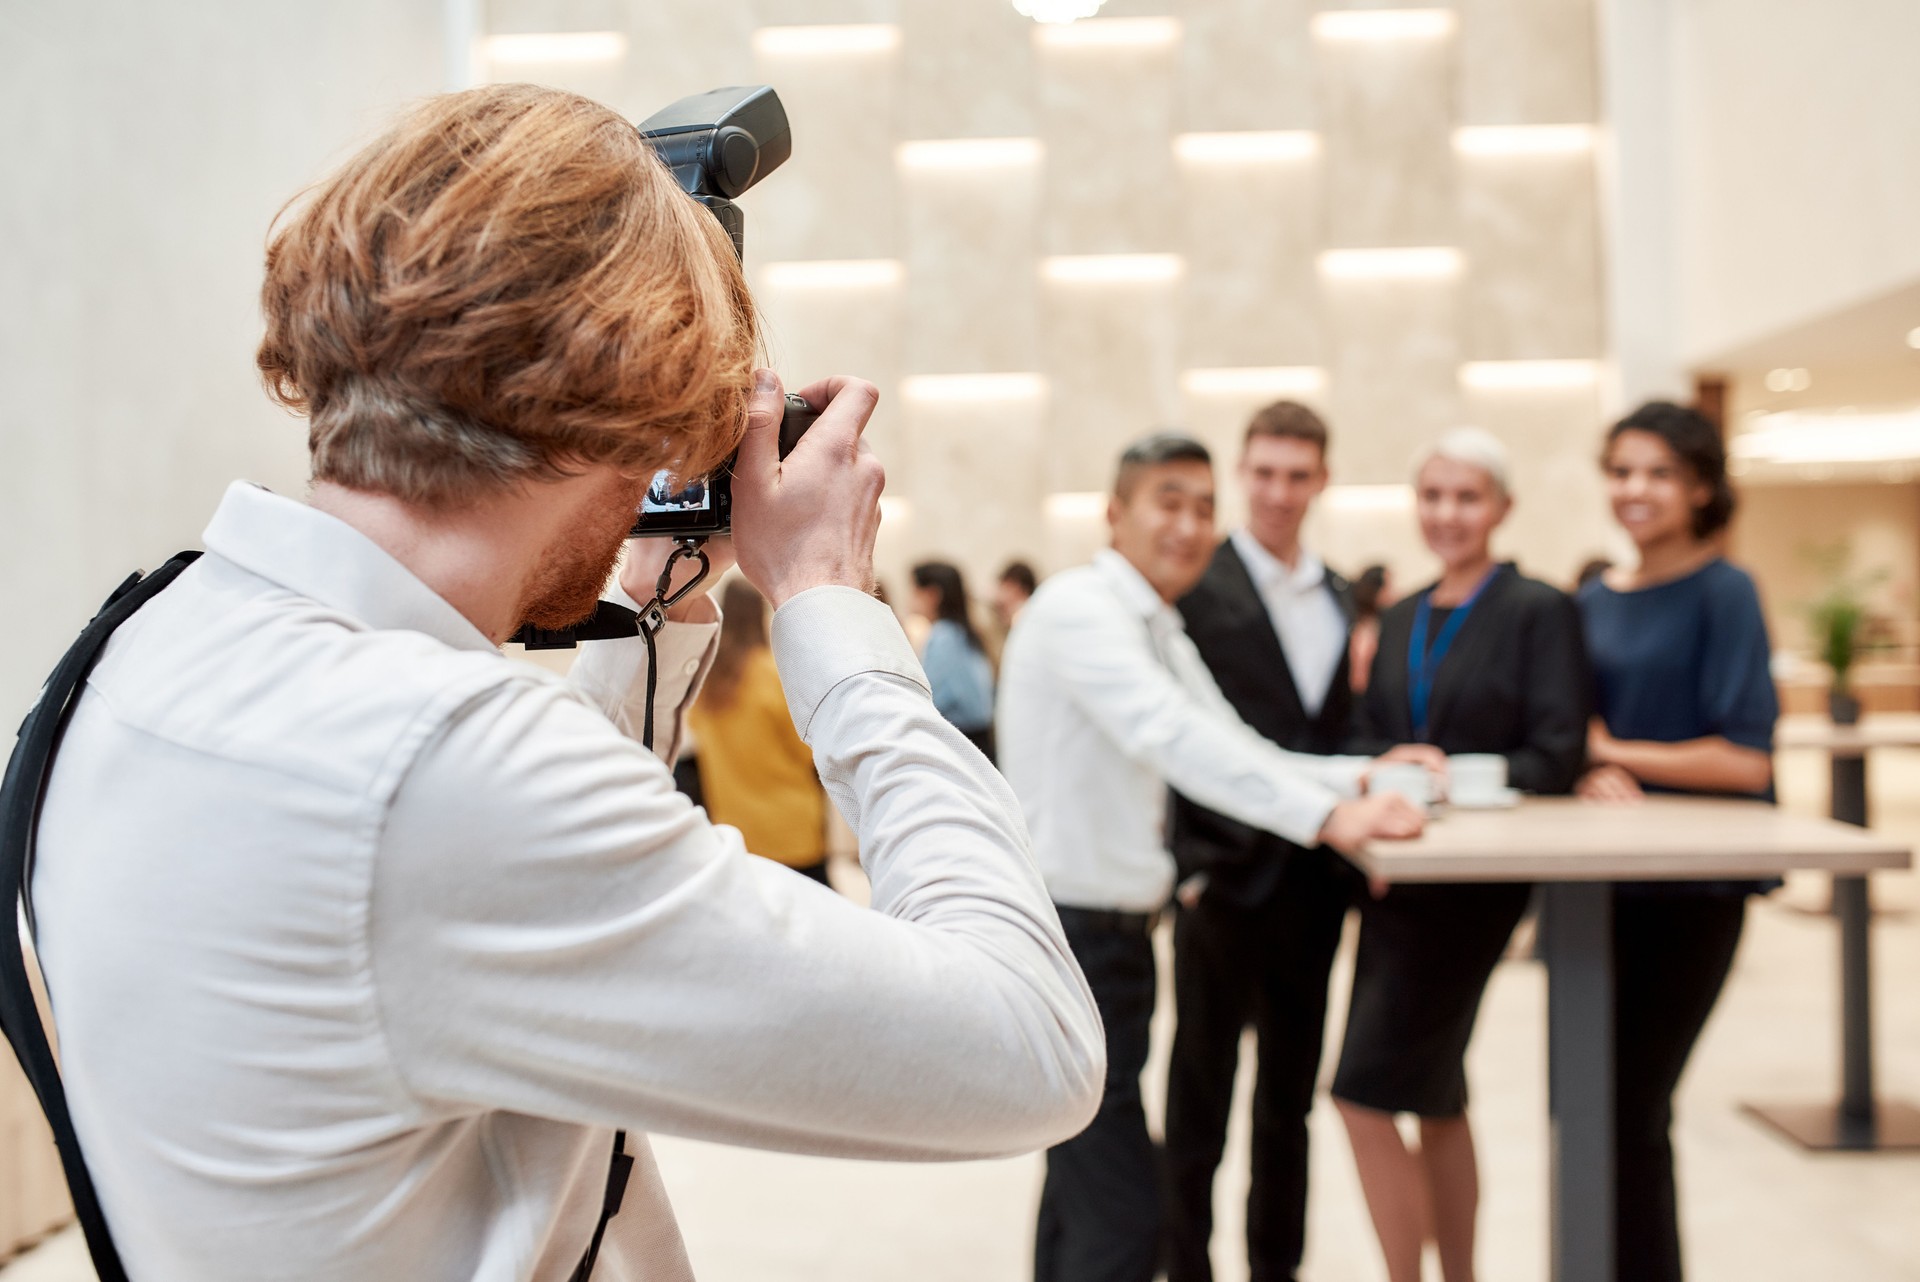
<point>1383,24</point>
<point>554,47</point>
<point>854,273</point>
<point>825,41</point>
<point>1271,380</point>
<point>1523,140</point>
<point>1093,269</point>
<point>1246,147</point>
<point>1431,263</point>
<point>1078,505</point>
<point>1368,498</point>
<point>1109,33</point>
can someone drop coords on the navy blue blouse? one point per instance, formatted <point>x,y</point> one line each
<point>1683,660</point>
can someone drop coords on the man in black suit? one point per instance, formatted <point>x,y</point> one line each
<point>1259,917</point>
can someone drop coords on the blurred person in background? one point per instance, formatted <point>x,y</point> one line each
<point>1258,917</point>
<point>1012,590</point>
<point>1686,703</point>
<point>1372,593</point>
<point>756,772</point>
<point>1486,660</point>
<point>1591,570</point>
<point>955,659</point>
<point>1104,703</point>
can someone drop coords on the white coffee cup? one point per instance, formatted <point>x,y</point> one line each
<point>1409,779</point>
<point>1476,778</point>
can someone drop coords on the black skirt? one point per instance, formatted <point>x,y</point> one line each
<point>1426,953</point>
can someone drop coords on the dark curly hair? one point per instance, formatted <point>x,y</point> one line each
<point>1696,440</point>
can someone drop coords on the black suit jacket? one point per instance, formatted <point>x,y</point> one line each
<point>1515,682</point>
<point>1230,626</point>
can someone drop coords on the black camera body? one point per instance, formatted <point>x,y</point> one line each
<point>717,144</point>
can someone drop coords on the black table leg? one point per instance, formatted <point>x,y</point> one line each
<point>1858,1123</point>
<point>1578,920</point>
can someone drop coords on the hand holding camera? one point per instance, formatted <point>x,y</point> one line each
<point>808,520</point>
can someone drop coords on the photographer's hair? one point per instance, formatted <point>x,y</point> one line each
<point>506,286</point>
<point>1021,575</point>
<point>1476,447</point>
<point>743,630</point>
<point>1693,437</point>
<point>1288,420</point>
<point>1154,450</point>
<point>944,580</point>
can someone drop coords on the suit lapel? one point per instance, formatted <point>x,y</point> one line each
<point>1254,625</point>
<point>1468,651</point>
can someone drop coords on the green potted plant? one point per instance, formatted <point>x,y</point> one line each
<point>1838,619</point>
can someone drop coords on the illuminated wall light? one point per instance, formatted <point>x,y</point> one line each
<point>1382,24</point>
<point>1913,338</point>
<point>1788,380</point>
<point>1078,505</point>
<point>894,510</point>
<point>1240,148</point>
<point>1368,498</point>
<point>814,41</point>
<point>1273,380</point>
<point>555,46</point>
<point>1093,269</point>
<point>973,387</point>
<point>1826,439</point>
<point>1523,140</point>
<point>1390,264</point>
<point>1109,33</point>
<point>970,153</point>
<point>853,273</point>
<point>1057,10</point>
<point>1487,376</point>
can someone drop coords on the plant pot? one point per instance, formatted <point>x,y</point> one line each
<point>1843,707</point>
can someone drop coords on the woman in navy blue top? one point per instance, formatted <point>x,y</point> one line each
<point>956,663</point>
<point>1686,703</point>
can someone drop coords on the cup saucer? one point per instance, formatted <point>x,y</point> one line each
<point>1504,799</point>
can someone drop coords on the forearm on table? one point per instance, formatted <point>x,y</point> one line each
<point>1709,764</point>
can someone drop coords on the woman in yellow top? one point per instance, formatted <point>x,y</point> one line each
<point>755,771</point>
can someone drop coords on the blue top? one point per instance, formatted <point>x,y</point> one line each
<point>1683,660</point>
<point>960,675</point>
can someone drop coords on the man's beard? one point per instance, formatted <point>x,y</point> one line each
<point>566,587</point>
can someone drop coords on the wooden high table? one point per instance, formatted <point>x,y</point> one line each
<point>1576,850</point>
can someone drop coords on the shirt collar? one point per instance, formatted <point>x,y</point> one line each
<point>323,558</point>
<point>1132,585</point>
<point>1267,569</point>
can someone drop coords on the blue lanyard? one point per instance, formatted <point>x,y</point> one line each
<point>1424,663</point>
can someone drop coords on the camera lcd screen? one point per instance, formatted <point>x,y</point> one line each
<point>661,496</point>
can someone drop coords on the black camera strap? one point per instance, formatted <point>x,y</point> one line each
<point>24,789</point>
<point>20,798</point>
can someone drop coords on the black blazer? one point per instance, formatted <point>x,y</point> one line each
<point>1231,628</point>
<point>1515,682</point>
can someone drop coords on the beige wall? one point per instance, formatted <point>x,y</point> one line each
<point>1779,525</point>
<point>147,149</point>
<point>1799,125</point>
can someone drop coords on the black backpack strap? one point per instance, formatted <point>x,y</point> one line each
<point>20,798</point>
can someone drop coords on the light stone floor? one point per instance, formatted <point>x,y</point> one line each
<point>1755,1208</point>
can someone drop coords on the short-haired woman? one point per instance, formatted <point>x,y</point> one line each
<point>1686,704</point>
<point>756,773</point>
<point>958,670</point>
<point>1485,660</point>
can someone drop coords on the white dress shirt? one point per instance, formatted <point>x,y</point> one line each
<point>362,938</point>
<point>1104,703</point>
<point>1311,627</point>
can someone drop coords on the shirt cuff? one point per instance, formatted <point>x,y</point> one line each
<point>826,635</point>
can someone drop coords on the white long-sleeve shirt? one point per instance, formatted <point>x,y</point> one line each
<point>1104,704</point>
<point>362,939</point>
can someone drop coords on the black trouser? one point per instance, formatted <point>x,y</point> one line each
<point>816,871</point>
<point>1100,1204</point>
<point>1671,957</point>
<point>1265,966</point>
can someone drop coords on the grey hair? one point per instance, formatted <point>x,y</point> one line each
<point>1474,447</point>
<point>1167,446</point>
